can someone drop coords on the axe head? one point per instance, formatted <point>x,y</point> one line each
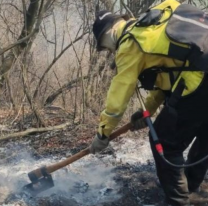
<point>39,186</point>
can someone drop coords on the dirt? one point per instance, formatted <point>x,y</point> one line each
<point>124,174</point>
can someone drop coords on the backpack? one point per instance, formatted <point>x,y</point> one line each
<point>185,33</point>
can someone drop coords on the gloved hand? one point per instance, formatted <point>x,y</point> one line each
<point>99,143</point>
<point>137,120</point>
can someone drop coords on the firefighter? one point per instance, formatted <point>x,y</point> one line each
<point>167,69</point>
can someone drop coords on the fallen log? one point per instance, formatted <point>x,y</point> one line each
<point>33,130</point>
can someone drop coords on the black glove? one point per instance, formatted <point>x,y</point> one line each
<point>99,143</point>
<point>137,120</point>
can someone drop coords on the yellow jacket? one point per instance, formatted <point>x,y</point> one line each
<point>130,62</point>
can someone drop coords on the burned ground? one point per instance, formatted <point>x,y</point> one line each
<point>124,174</point>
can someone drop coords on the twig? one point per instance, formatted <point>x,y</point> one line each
<point>127,9</point>
<point>64,103</point>
<point>19,110</point>
<point>53,62</point>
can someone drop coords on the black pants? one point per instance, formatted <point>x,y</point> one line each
<point>177,125</point>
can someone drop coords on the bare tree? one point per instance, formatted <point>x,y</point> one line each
<point>48,53</point>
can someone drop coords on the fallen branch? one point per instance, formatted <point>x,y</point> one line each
<point>33,130</point>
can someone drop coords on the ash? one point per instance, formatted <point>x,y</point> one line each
<point>122,175</point>
<point>86,182</point>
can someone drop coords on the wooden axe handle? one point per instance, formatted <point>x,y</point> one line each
<point>79,155</point>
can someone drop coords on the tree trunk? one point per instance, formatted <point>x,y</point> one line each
<point>29,21</point>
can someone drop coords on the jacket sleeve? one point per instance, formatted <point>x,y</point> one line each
<point>122,87</point>
<point>153,100</point>
<point>130,61</point>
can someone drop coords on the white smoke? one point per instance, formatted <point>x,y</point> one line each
<point>88,181</point>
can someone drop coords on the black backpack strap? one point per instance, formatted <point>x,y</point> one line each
<point>148,76</point>
<point>177,93</point>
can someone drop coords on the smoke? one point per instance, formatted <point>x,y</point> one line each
<point>87,181</point>
<point>12,174</point>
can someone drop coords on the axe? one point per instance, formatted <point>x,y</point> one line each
<point>41,178</point>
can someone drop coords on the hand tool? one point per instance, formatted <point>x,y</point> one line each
<point>41,178</point>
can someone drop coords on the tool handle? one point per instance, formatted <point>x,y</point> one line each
<point>120,131</point>
<point>86,151</point>
<point>79,155</point>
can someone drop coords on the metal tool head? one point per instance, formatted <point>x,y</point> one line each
<point>40,186</point>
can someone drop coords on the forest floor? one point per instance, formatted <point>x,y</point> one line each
<point>122,175</point>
